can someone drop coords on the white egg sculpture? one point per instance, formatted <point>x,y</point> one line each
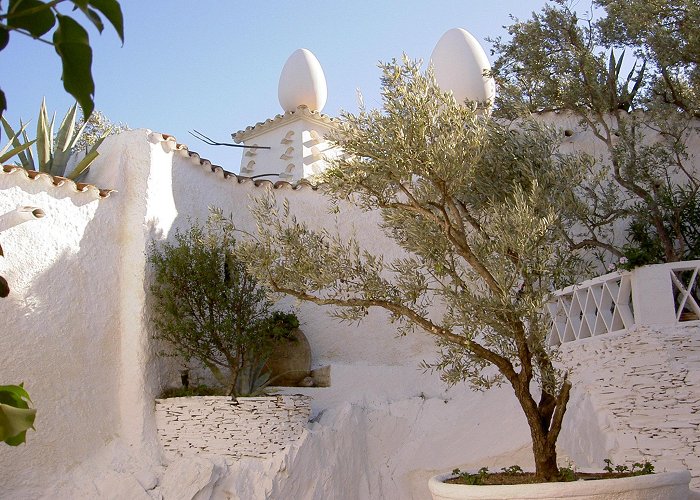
<point>302,82</point>
<point>459,62</point>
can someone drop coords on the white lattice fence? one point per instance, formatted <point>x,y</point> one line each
<point>684,279</point>
<point>649,295</point>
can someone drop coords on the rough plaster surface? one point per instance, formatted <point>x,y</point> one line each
<point>60,343</point>
<point>645,386</point>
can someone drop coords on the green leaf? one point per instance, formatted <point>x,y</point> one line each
<point>14,151</point>
<point>73,46</point>
<point>93,16</point>
<point>14,422</point>
<point>64,140</point>
<point>4,37</point>
<point>14,395</point>
<point>43,138</point>
<point>113,12</point>
<point>38,22</point>
<point>3,103</point>
<point>15,415</point>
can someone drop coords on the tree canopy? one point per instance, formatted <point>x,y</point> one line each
<point>631,78</point>
<point>474,204</point>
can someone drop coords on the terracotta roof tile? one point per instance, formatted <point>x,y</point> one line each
<point>281,119</point>
<point>225,174</point>
<point>56,180</point>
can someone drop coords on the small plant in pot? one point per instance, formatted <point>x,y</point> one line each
<point>477,207</point>
<point>206,307</point>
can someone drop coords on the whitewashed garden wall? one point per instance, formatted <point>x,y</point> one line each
<point>216,425</point>
<point>78,335</point>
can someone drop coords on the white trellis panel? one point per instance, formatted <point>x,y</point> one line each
<point>595,307</point>
<point>650,295</point>
<point>685,289</point>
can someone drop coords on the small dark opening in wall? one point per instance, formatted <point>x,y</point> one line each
<point>4,287</point>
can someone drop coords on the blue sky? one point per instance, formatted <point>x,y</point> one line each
<point>214,65</point>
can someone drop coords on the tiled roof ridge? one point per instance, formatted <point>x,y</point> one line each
<point>278,120</point>
<point>219,171</point>
<point>57,181</point>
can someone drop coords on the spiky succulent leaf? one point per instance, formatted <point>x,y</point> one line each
<point>44,139</point>
<point>83,165</point>
<point>14,151</point>
<point>64,140</point>
<point>15,142</point>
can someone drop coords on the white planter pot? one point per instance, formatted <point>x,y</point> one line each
<point>663,486</point>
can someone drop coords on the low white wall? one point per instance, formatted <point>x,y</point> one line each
<point>215,425</point>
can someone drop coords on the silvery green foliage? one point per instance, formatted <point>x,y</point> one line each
<point>475,205</point>
<point>631,77</point>
<point>95,128</point>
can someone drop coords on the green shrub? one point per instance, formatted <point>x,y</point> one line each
<point>679,210</point>
<point>208,308</point>
<point>282,324</point>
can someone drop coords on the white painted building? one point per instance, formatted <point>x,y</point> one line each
<point>76,331</point>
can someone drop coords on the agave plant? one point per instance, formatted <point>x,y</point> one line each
<point>6,153</point>
<point>53,152</point>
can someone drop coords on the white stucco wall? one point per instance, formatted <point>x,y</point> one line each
<point>75,323</point>
<point>78,335</point>
<point>636,397</point>
<point>195,188</point>
<point>59,324</point>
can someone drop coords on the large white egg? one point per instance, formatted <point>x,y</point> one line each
<point>302,82</point>
<point>459,62</point>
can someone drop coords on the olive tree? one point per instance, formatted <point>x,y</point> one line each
<point>474,204</point>
<point>630,76</point>
<point>207,307</point>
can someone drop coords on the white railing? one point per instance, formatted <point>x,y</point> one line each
<point>660,294</point>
